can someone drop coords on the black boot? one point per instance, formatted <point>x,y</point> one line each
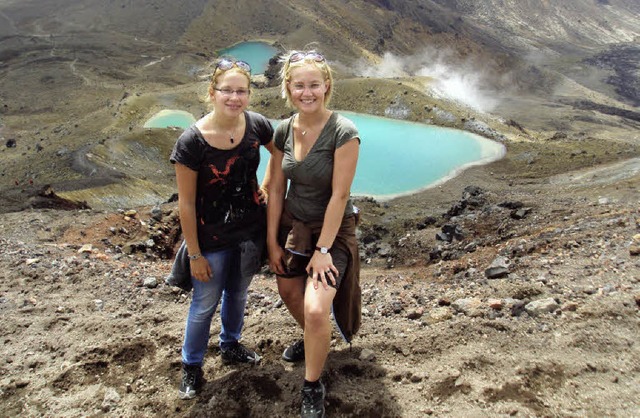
<point>312,400</point>
<point>191,381</point>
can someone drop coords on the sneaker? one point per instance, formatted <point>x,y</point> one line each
<point>312,401</point>
<point>191,381</point>
<point>238,353</point>
<point>295,352</point>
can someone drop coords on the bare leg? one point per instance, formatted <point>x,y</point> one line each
<point>292,293</point>
<point>317,330</point>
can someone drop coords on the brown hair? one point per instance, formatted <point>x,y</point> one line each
<point>219,72</point>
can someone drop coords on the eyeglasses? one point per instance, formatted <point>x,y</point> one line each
<point>226,64</point>
<point>299,56</point>
<point>229,92</point>
<point>299,87</point>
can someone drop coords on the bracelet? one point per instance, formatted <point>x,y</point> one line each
<point>195,256</point>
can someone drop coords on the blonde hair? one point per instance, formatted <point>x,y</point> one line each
<point>287,66</point>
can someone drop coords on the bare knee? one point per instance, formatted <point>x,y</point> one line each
<point>315,316</point>
<point>290,291</point>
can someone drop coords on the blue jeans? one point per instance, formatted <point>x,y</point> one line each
<point>233,269</point>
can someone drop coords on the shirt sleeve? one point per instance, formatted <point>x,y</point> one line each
<point>346,130</point>
<point>265,130</point>
<point>187,150</point>
<point>280,135</point>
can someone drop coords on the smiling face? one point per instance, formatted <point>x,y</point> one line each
<point>310,65</point>
<point>229,92</point>
<point>307,88</point>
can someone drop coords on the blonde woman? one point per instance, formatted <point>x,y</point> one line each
<point>222,217</point>
<point>311,233</point>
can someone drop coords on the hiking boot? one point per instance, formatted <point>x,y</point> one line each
<point>238,353</point>
<point>295,352</point>
<point>191,381</point>
<point>312,401</point>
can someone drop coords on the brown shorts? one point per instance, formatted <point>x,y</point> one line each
<point>295,265</point>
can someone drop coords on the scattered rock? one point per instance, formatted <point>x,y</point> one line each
<point>498,268</point>
<point>86,248</point>
<point>367,355</point>
<point>541,306</point>
<point>495,304</point>
<point>440,315</point>
<point>520,213</point>
<point>150,283</point>
<point>468,306</point>
<point>111,400</point>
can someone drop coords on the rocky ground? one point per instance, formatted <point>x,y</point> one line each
<point>499,297</point>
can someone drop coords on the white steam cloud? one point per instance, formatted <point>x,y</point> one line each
<point>465,82</point>
<point>390,66</point>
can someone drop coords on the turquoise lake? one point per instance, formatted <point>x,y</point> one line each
<point>257,54</point>
<point>396,157</point>
<point>166,118</point>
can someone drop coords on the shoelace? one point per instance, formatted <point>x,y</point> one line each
<point>190,378</point>
<point>308,403</point>
<point>240,351</point>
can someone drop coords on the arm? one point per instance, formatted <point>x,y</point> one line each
<point>276,187</point>
<point>344,169</point>
<point>264,187</point>
<point>187,181</point>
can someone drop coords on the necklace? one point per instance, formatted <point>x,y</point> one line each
<point>231,133</point>
<point>304,132</point>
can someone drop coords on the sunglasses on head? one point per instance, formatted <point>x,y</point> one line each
<point>312,55</point>
<point>226,64</point>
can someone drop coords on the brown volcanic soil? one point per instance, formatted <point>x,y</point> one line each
<point>83,335</point>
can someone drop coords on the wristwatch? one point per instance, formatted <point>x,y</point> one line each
<point>195,256</point>
<point>323,250</point>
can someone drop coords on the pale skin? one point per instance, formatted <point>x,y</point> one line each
<point>309,301</point>
<point>226,118</point>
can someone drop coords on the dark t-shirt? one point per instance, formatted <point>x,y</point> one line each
<point>228,210</point>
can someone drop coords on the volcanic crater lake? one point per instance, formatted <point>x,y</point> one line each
<point>397,157</point>
<point>167,118</point>
<point>256,54</point>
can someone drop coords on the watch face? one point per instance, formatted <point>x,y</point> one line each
<point>323,250</point>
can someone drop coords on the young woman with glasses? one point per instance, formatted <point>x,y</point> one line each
<point>222,216</point>
<point>311,231</point>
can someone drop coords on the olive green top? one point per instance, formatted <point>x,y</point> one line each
<point>310,179</point>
